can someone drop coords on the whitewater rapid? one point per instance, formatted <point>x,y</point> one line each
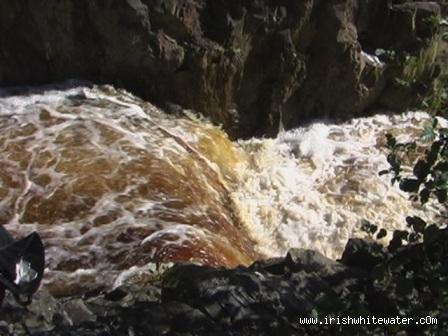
<point>312,187</point>
<point>112,183</point>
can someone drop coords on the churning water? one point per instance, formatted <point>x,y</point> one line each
<point>111,182</point>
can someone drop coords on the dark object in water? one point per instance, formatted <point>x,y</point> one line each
<point>22,265</point>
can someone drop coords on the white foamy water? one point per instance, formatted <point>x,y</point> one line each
<point>112,183</point>
<point>311,187</point>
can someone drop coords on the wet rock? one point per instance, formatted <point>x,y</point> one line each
<point>237,299</point>
<point>312,261</point>
<point>37,317</point>
<point>267,298</point>
<point>77,312</point>
<point>273,266</point>
<point>363,253</point>
<point>251,66</point>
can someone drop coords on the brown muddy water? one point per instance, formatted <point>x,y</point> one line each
<point>112,183</point>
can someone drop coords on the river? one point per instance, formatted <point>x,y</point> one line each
<point>112,183</point>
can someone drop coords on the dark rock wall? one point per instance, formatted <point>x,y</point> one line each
<point>249,65</point>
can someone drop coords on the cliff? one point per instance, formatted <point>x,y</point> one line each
<point>252,66</point>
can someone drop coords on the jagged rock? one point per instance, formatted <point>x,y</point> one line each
<point>312,261</point>
<point>37,317</point>
<point>77,312</point>
<point>363,253</point>
<point>249,65</point>
<point>267,298</point>
<point>273,266</point>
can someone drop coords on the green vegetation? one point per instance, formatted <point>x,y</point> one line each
<point>416,66</point>
<point>430,172</point>
<point>413,276</point>
<point>428,179</point>
<point>437,101</point>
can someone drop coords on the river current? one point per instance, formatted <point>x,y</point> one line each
<point>112,183</point>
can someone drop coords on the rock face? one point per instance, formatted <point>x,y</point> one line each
<point>267,298</point>
<point>249,65</point>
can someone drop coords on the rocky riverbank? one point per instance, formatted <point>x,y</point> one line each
<point>267,298</point>
<point>253,66</point>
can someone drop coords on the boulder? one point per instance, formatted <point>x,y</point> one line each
<point>312,261</point>
<point>363,253</point>
<point>252,66</point>
<point>267,298</point>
